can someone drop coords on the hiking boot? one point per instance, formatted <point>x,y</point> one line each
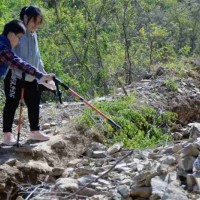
<point>9,139</point>
<point>38,135</point>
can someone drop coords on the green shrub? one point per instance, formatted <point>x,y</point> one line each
<point>171,84</point>
<point>142,126</point>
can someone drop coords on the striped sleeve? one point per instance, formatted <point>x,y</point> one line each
<point>13,61</point>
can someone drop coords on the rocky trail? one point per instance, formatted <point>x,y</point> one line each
<point>74,165</point>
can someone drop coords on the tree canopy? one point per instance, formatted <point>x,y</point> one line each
<point>93,45</point>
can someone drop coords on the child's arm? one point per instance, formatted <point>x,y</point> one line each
<point>12,60</point>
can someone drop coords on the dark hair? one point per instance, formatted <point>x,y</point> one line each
<point>15,26</point>
<point>31,12</point>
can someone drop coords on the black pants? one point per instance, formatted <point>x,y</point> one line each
<point>12,88</point>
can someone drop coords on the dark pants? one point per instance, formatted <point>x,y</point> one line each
<point>12,88</point>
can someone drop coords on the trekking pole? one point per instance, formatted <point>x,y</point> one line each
<point>110,121</point>
<point>59,93</point>
<point>20,107</point>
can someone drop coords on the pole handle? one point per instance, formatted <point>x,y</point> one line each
<point>59,93</point>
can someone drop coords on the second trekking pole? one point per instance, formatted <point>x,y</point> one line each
<point>21,107</point>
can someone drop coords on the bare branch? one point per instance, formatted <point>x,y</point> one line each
<point>75,193</point>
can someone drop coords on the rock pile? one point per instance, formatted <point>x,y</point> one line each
<point>170,172</point>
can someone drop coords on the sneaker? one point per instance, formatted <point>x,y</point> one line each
<point>38,135</point>
<point>9,139</point>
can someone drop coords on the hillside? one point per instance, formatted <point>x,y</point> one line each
<point>74,165</point>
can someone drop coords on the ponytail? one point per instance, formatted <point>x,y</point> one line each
<point>22,13</point>
<point>31,12</point>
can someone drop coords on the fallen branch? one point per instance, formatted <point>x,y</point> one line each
<point>96,179</point>
<point>31,193</point>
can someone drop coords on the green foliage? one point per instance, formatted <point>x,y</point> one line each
<point>142,126</point>
<point>87,44</point>
<point>171,84</point>
<point>185,51</point>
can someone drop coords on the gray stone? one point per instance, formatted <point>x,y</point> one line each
<point>177,148</point>
<point>167,150</point>
<point>154,156</point>
<point>53,124</point>
<point>86,179</point>
<point>163,169</point>
<point>194,130</point>
<point>196,164</point>
<point>171,176</point>
<point>99,154</point>
<point>46,126</point>
<point>197,180</point>
<point>174,192</point>
<point>190,150</point>
<point>169,160</point>
<point>37,166</point>
<point>74,163</point>
<point>95,146</point>
<point>126,181</point>
<point>149,177</point>
<point>190,181</point>
<point>116,196</point>
<point>158,185</point>
<point>69,172</point>
<point>122,168</point>
<point>124,190</point>
<point>115,148</point>
<point>88,192</point>
<point>177,135</point>
<point>103,182</point>
<point>11,161</point>
<point>140,167</point>
<point>186,163</point>
<point>57,171</point>
<point>99,197</point>
<point>84,171</point>
<point>66,184</point>
<point>19,198</point>
<point>58,144</point>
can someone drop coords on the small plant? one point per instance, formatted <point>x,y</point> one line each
<point>171,84</point>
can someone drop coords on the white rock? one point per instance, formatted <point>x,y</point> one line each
<point>115,148</point>
<point>66,184</point>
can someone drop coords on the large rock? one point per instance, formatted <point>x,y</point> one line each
<point>190,150</point>
<point>36,166</point>
<point>186,163</point>
<point>158,185</point>
<point>174,192</point>
<point>194,130</point>
<point>66,184</point>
